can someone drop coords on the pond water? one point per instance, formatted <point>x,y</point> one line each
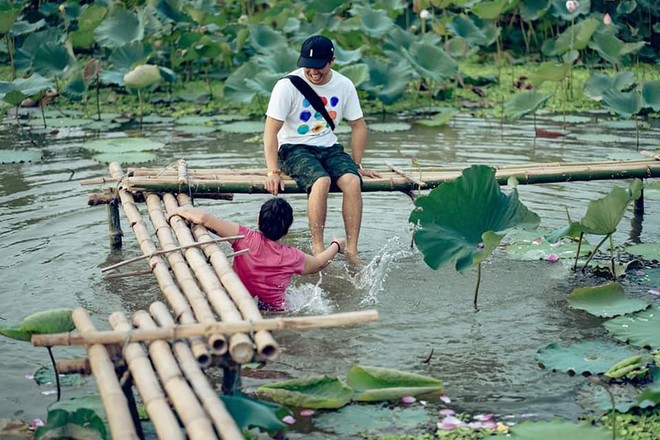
<point>53,246</point>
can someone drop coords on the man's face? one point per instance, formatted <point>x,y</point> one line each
<point>320,76</point>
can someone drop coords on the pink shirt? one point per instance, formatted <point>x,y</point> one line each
<point>267,269</point>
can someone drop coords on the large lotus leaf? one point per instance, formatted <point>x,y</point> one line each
<point>33,87</point>
<point>50,321</point>
<point>624,104</point>
<point>46,376</point>
<point>51,58</point>
<point>431,62</point>
<point>249,413</point>
<point>604,215</point>
<point>124,57</point>
<point>442,117</point>
<point>524,103</point>
<point>558,430</point>
<point>265,39</point>
<point>590,357</point>
<point>19,156</point>
<point>82,418</point>
<point>120,27</point>
<point>598,83</point>
<point>606,301</point>
<point>641,329</point>
<point>346,56</point>
<point>123,145</point>
<point>572,230</point>
<point>398,39</point>
<point>576,37</point>
<point>648,251</point>
<point>262,83</point>
<point>388,81</point>
<point>75,87</point>
<point>559,9</point>
<point>309,392</point>
<point>549,72</point>
<point>278,62</point>
<point>242,127</point>
<point>375,384</point>
<point>608,46</point>
<point>651,395</point>
<point>14,332</point>
<point>371,421</point>
<point>91,16</point>
<point>374,22</point>
<point>651,95</point>
<point>463,26</point>
<point>594,397</point>
<point>234,87</point>
<point>388,127</point>
<point>531,10</point>
<point>533,245</point>
<point>490,10</point>
<point>453,218</point>
<point>142,76</point>
<point>9,12</point>
<point>357,73</point>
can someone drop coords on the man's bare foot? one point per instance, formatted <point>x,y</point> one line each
<point>354,259</point>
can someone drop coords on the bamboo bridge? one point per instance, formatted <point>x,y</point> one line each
<point>210,319</point>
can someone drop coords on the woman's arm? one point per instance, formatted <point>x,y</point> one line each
<point>198,216</point>
<point>314,263</point>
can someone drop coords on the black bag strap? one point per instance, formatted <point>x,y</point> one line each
<point>312,97</point>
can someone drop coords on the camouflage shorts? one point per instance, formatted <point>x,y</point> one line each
<point>306,164</point>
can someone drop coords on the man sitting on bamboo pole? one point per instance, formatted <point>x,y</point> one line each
<point>267,268</point>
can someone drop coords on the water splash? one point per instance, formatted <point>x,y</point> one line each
<point>372,276</point>
<point>309,299</point>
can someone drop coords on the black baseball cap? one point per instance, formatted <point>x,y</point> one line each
<point>316,52</point>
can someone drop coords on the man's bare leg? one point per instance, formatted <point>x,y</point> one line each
<point>317,208</point>
<point>352,211</point>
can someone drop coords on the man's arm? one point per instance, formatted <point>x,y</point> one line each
<point>359,143</point>
<point>273,181</point>
<point>314,263</point>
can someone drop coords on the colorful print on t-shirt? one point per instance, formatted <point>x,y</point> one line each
<point>314,122</point>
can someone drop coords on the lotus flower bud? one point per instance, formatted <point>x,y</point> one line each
<point>607,20</point>
<point>572,5</point>
<point>243,19</point>
<point>424,14</point>
<point>62,8</point>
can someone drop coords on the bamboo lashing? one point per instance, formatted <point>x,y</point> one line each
<point>240,345</point>
<point>167,285</point>
<point>146,381</point>
<point>403,173</point>
<point>183,274</point>
<point>114,401</point>
<point>215,409</point>
<point>190,330</point>
<point>266,345</point>
<point>182,397</point>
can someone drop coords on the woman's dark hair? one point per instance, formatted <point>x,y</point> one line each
<point>275,218</point>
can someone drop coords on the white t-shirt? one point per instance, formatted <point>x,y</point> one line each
<point>303,124</point>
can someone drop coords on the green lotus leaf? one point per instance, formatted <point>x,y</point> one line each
<point>534,245</point>
<point>9,12</point>
<point>357,73</point>
<point>371,421</point>
<point>398,39</point>
<point>265,39</point>
<point>549,71</point>
<point>345,56</point>
<point>142,76</point>
<point>35,86</point>
<point>60,122</point>
<point>453,218</point>
<point>431,62</point>
<point>376,384</point>
<point>195,129</point>
<point>463,26</point>
<point>167,74</point>
<point>576,37</point>
<point>572,230</point>
<point>559,9</point>
<point>46,376</point>
<point>91,16</point>
<point>374,22</point>
<point>606,301</point>
<point>594,397</point>
<point>608,46</point>
<point>388,81</point>
<point>75,88</point>
<point>590,357</point>
<point>196,120</point>
<point>651,95</point>
<point>531,10</point>
<point>49,321</point>
<point>457,47</point>
<point>234,87</point>
<point>641,329</point>
<point>118,28</point>
<point>309,392</point>
<point>651,395</point>
<point>123,145</point>
<point>14,332</point>
<point>439,119</point>
<point>598,83</point>
<point>625,7</point>
<point>648,251</point>
<point>490,10</point>
<point>558,429</point>
<point>278,62</point>
<point>388,127</point>
<point>524,103</point>
<point>124,57</point>
<point>249,413</point>
<point>19,156</point>
<point>262,83</point>
<point>624,104</point>
<point>81,417</point>
<point>604,215</point>
<point>243,127</point>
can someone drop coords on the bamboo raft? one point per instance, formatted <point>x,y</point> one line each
<point>210,319</point>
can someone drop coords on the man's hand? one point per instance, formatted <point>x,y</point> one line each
<point>369,173</point>
<point>274,183</point>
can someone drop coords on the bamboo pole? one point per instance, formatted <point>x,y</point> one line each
<point>188,408</point>
<point>191,330</point>
<point>240,345</point>
<point>114,225</point>
<point>167,285</point>
<point>216,410</point>
<point>112,396</point>
<point>146,381</point>
<point>182,273</point>
<point>266,345</point>
<point>182,172</point>
<point>74,366</point>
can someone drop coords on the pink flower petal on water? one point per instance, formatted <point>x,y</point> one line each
<point>475,425</point>
<point>447,412</point>
<point>408,399</point>
<point>450,422</point>
<point>489,425</point>
<point>527,415</point>
<point>36,423</point>
<point>289,420</point>
<point>654,291</point>
<point>445,399</point>
<point>484,417</point>
<point>307,412</point>
<point>537,241</point>
<point>423,402</point>
<point>552,258</point>
<point>639,273</point>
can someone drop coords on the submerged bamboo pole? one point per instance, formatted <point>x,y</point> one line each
<point>216,410</point>
<point>240,345</point>
<point>146,381</point>
<point>114,401</point>
<point>159,268</point>
<point>188,408</point>
<point>183,274</point>
<point>191,330</point>
<point>266,345</point>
